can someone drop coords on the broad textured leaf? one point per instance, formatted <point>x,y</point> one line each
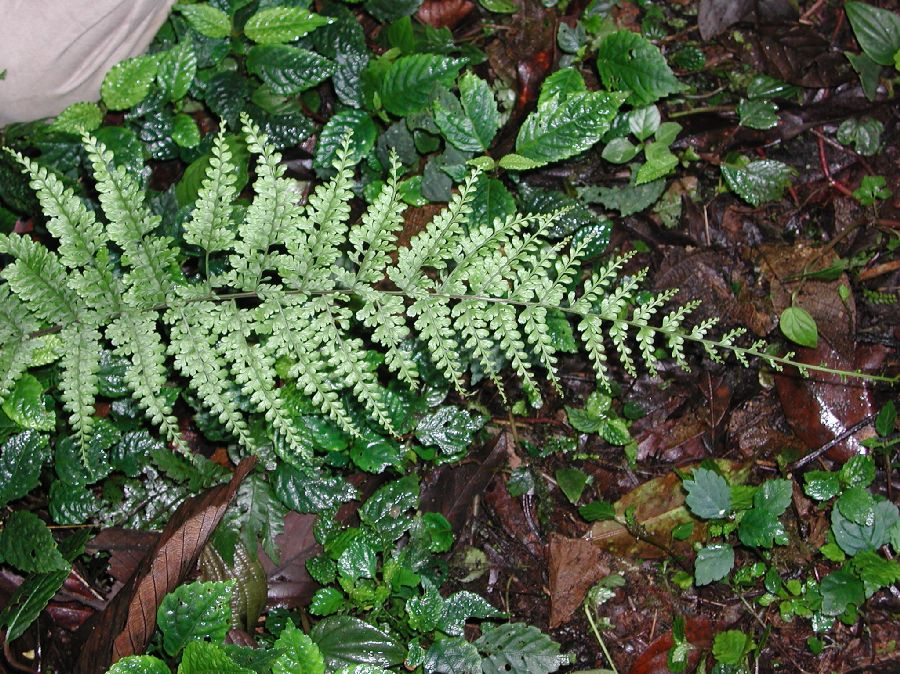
<point>449,428</point>
<point>78,118</point>
<point>27,406</point>
<point>732,647</point>
<point>560,84</point>
<point>491,201</point>
<point>23,456</point>
<point>758,114</point>
<point>176,70</point>
<point>821,485</point>
<point>206,19</point>
<point>391,10</point>
<point>27,544</point>
<point>470,123</point>
<point>840,590</point>
<point>520,649</point>
<point>412,82</point>
<point>854,538</point>
<point>128,82</point>
<point>452,656</point>
<point>553,133</point>
<point>185,131</point>
<point>140,664</point>
<point>864,134</point>
<point>386,510</point>
<point>858,505</point>
<point>307,490</point>
<point>759,181</point>
<point>356,122</point>
<point>761,529</point>
<point>128,621</point>
<point>708,494</point>
<point>462,606</point>
<point>773,496</point>
<point>345,640</point>
<point>573,213</point>
<point>275,25</point>
<point>288,70</point>
<point>627,199</point>
<point>195,611</point>
<point>876,29</point>
<point>202,657</point>
<point>799,326</point>
<point>71,504</point>
<point>859,471</point>
<point>628,62</point>
<point>300,654</point>
<point>713,562</point>
<point>572,483</point>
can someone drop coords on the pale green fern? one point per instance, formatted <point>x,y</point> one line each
<point>303,286</point>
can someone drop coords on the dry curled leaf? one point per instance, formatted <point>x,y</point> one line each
<point>125,626</point>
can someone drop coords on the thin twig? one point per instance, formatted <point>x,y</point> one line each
<point>847,432</point>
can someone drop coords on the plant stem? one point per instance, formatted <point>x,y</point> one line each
<point>600,641</point>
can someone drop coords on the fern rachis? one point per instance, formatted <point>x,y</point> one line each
<point>303,285</point>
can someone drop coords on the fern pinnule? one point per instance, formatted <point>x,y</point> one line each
<point>16,325</point>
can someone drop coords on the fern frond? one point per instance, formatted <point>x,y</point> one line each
<point>16,324</point>
<point>254,371</point>
<point>134,335</point>
<point>79,383</point>
<point>152,260</point>
<point>433,320</point>
<point>385,315</point>
<point>194,332</point>
<point>273,218</point>
<point>38,277</point>
<point>210,226</point>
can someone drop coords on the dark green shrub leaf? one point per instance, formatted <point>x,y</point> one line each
<point>759,181</point>
<point>471,122</point>
<point>491,201</point>
<point>627,199</point>
<point>628,62</point>
<point>620,151</point>
<point>460,607</point>
<point>560,84</point>
<point>840,590</point>
<point>875,571</point>
<point>28,407</point>
<point>325,601</point>
<point>176,71</point>
<point>139,664</point>
<point>876,29</point>
<point>344,640</point>
<point>194,611</point>
<point>70,504</point>
<point>500,6</point>
<point>206,19</point>
<point>128,82</point>
<point>78,118</point>
<point>615,432</point>
<point>713,562</point>
<point>288,70</point>
<point>773,496</point>
<point>386,511</point>
<point>854,538</point>
<point>27,544</point>
<point>869,73</point>
<point>358,560</point>
<point>391,10</point>
<point>863,134</point>
<point>556,132</point>
<point>127,148</point>
<point>274,25</point>
<point>300,653</point>
<point>185,132</point>
<point>732,647</point>
<point>516,162</point>
<point>643,122</point>
<point>520,649</point>
<point>23,456</point>
<point>424,611</point>
<point>412,82</point>
<point>757,114</point>
<point>859,471</point>
<point>203,657</point>
<point>226,95</point>
<point>761,529</point>
<point>598,511</point>
<point>799,326</point>
<point>332,135</point>
<point>858,505</point>
<point>452,656</point>
<point>884,425</point>
<point>81,466</point>
<point>572,483</point>
<point>307,490</point>
<point>187,189</point>
<point>449,428</point>
<point>708,494</point>
<point>660,162</point>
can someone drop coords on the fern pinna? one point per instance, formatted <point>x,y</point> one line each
<point>300,286</point>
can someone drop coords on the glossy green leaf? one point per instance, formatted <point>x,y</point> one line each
<point>412,82</point>
<point>757,114</point>
<point>560,84</point>
<point>391,10</point>
<point>821,485</point>
<point>194,611</point>
<point>23,456</point>
<point>869,73</point>
<point>597,511</point>
<point>491,201</point>
<point>185,131</point>
<point>449,428</point>
<point>82,466</point>
<point>759,181</point>
<point>799,326</point>
<point>773,496</point>
<point>386,510</point>
<point>732,647</point>
<point>71,504</point>
<point>628,62</point>
<point>714,562</point>
<point>470,122</point>
<point>307,490</point>
<point>357,122</point>
<point>203,657</point>
<point>345,640</point>
<point>876,29</point>
<point>884,422</point>
<point>128,82</point>
<point>615,432</point>
<point>275,25</point>
<point>326,601</point>
<point>288,70</point>
<point>139,664</point>
<point>206,19</point>
<point>643,122</point>
<point>875,571</point>
<point>28,407</point>
<point>452,656</point>
<point>78,118</point>
<point>840,590</point>
<point>176,70</point>
<point>572,483</point>
<point>557,132</point>
<point>854,538</point>
<point>760,528</point>
<point>660,162</point>
<point>500,6</point>
<point>858,505</point>
<point>358,560</point>
<point>300,653</point>
<point>620,151</point>
<point>516,162</point>
<point>627,199</point>
<point>27,544</point>
<point>520,649</point>
<point>708,494</point>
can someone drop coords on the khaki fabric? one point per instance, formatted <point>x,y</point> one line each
<point>56,52</point>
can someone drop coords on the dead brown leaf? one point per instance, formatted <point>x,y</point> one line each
<point>574,565</point>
